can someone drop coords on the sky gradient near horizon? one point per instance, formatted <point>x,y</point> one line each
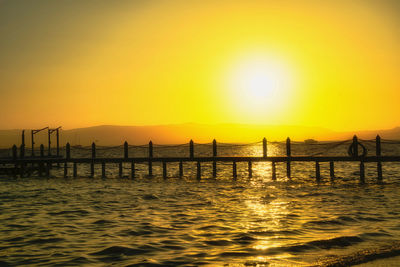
<point>332,64</point>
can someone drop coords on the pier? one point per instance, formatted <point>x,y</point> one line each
<point>19,164</point>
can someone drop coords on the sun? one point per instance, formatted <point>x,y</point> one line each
<point>260,86</point>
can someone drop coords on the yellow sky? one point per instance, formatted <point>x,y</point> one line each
<point>332,64</point>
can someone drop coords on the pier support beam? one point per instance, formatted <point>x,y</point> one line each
<point>120,170</point>
<point>332,170</point>
<point>133,170</point>
<point>198,170</point>
<point>317,172</point>
<point>103,170</point>
<point>250,169</point>
<point>164,166</point>
<point>65,169</point>
<point>75,170</point>
<point>234,170</point>
<point>273,171</point>
<point>362,172</point>
<point>180,169</point>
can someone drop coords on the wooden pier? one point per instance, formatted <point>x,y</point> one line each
<point>22,165</point>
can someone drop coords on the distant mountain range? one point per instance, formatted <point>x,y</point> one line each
<point>182,133</point>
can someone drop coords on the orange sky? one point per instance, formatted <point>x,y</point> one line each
<point>332,64</point>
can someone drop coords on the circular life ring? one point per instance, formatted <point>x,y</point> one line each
<point>351,149</point>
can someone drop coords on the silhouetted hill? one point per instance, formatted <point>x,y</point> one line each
<point>182,133</point>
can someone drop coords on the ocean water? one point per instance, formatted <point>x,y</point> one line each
<point>151,221</point>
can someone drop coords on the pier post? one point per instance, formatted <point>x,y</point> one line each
<point>288,154</point>
<point>14,152</point>
<point>93,157</point>
<point>214,155</point>
<point>234,170</point>
<point>164,169</point>
<point>264,147</point>
<point>378,154</point>
<point>22,151</point>
<point>355,146</point>
<point>198,170</point>
<point>332,170</point>
<point>48,166</point>
<point>180,169</point>
<point>191,149</point>
<point>250,169</point>
<point>273,170</point>
<point>132,169</point>
<point>33,144</point>
<point>42,150</point>
<point>58,141</point>
<point>120,170</point>
<point>362,172</point>
<point>150,165</point>
<point>103,170</point>
<point>75,170</point>
<point>68,151</point>
<point>126,150</point>
<point>49,139</point>
<point>65,169</point>
<point>317,172</point>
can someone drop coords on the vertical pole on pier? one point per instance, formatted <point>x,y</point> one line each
<point>180,169</point>
<point>332,170</point>
<point>126,150</point>
<point>58,141</point>
<point>234,170</point>
<point>378,154</point>
<point>103,169</point>
<point>75,170</point>
<point>362,172</point>
<point>214,155</point>
<point>120,170</point>
<point>132,169</point>
<point>164,169</point>
<point>273,170</point>
<point>22,151</point>
<point>14,152</point>
<point>42,150</point>
<point>33,144</point>
<point>191,149</point>
<point>250,169</point>
<point>198,170</point>
<point>67,151</point>
<point>150,165</point>
<point>288,154</point>
<point>93,157</point>
<point>264,147</point>
<point>49,139</point>
<point>317,172</point>
<point>355,146</point>
<point>65,169</point>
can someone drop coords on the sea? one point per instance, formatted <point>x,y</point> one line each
<point>222,221</point>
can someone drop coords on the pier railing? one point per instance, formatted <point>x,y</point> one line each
<point>24,162</point>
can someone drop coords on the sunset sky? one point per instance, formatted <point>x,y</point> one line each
<point>332,64</point>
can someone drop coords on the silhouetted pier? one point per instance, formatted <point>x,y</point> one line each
<point>21,165</point>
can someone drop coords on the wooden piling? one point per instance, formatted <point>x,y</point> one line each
<point>150,163</point>
<point>288,154</point>
<point>264,147</point>
<point>378,154</point>
<point>317,172</point>
<point>33,144</point>
<point>234,170</point>
<point>214,164</point>
<point>93,150</point>
<point>58,141</point>
<point>75,170</point>
<point>250,169</point>
<point>93,157</point>
<point>126,150</point>
<point>198,170</point>
<point>92,169</point>
<point>103,170</point>
<point>355,146</point>
<point>22,151</point>
<point>132,169</point>
<point>68,151</point>
<point>164,166</point>
<point>332,170</point>
<point>65,169</point>
<point>191,149</point>
<point>362,172</point>
<point>180,169</point>
<point>120,172</point>
<point>49,139</point>
<point>273,171</point>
